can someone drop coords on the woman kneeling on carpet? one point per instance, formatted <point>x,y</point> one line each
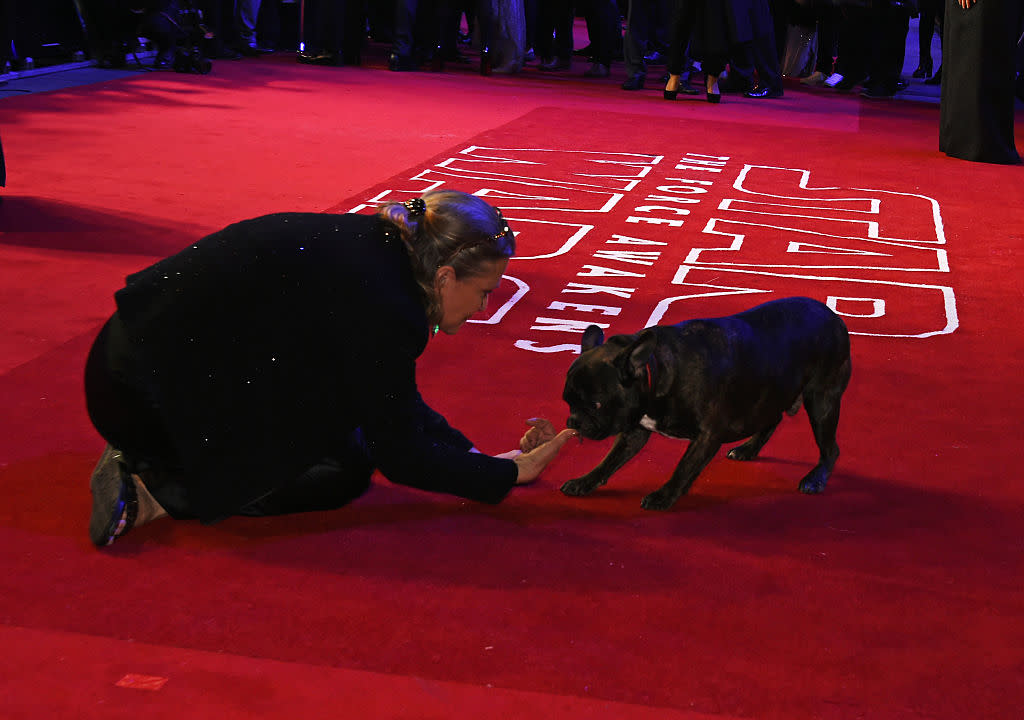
<point>271,367</point>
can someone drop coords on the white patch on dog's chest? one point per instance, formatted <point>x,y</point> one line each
<point>649,423</point>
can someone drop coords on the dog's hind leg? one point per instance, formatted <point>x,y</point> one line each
<point>823,412</point>
<point>822,401</point>
<point>750,449</point>
<point>698,454</point>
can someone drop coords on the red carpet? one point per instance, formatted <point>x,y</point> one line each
<point>895,594</point>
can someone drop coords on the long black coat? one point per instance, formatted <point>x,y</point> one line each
<point>270,341</point>
<point>724,24</point>
<point>978,76</point>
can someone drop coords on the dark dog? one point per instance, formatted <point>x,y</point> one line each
<point>711,381</point>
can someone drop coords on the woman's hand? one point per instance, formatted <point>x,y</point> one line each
<point>539,446</point>
<point>543,446</point>
<point>540,432</point>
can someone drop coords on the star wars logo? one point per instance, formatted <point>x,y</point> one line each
<point>627,240</point>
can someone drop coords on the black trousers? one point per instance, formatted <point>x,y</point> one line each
<point>682,23</point>
<point>554,29</point>
<point>603,27</point>
<point>639,28</point>
<point>335,26</point>
<point>123,411</point>
<point>422,26</point>
<point>931,10</point>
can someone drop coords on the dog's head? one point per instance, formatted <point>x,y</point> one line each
<point>608,386</point>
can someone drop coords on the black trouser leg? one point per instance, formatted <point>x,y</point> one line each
<point>766,61</point>
<point>854,43</point>
<point>328,485</point>
<point>124,414</point>
<point>638,28</point>
<point>888,47</point>
<point>405,22</point>
<point>828,39</point>
<point>925,31</point>
<point>684,15</point>
<point>602,19</point>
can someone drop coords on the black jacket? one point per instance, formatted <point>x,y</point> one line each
<point>270,341</point>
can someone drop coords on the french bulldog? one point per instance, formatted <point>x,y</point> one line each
<point>711,381</point>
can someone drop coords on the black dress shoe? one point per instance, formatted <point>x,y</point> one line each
<point>324,58</point>
<point>847,84</point>
<point>401,63</point>
<point>555,65</point>
<point>164,60</point>
<point>763,92</point>
<point>935,79</point>
<point>734,84</point>
<point>634,82</point>
<point>878,91</point>
<point>109,62</point>
<point>454,56</point>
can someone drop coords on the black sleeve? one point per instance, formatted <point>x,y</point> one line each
<point>435,426</point>
<point>414,445</point>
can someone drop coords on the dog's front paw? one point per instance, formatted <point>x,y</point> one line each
<point>659,500</point>
<point>581,486</point>
<point>814,482</point>
<point>742,453</point>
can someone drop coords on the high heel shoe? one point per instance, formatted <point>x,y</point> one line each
<point>714,95</point>
<point>924,70</point>
<point>682,87</point>
<point>672,94</point>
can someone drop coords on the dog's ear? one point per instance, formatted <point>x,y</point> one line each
<point>644,364</point>
<point>592,337</point>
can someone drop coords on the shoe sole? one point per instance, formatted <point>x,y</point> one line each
<point>114,504</point>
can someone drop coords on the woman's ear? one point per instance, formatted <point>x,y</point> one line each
<point>444,274</point>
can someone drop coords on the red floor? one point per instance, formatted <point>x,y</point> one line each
<point>895,594</point>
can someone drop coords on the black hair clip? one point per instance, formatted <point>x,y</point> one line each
<point>504,225</point>
<point>416,207</point>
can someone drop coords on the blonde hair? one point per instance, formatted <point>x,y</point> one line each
<point>456,229</point>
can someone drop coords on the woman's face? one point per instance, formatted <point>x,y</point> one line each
<point>461,299</point>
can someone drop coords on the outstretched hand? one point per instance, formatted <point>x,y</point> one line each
<point>540,445</point>
<point>540,432</point>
